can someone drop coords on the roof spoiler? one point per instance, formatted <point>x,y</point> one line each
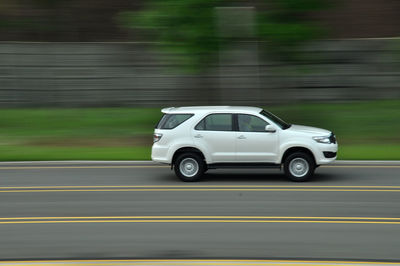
<point>167,110</point>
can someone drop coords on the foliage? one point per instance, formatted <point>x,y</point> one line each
<point>189,28</point>
<point>286,27</point>
<point>186,28</point>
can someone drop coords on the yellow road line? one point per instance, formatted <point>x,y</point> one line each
<point>203,217</point>
<point>200,189</point>
<point>198,221</point>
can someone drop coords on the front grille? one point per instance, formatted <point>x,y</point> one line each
<point>332,138</point>
<point>329,154</point>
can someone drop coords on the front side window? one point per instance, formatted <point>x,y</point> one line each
<point>216,122</point>
<point>170,121</point>
<point>251,123</point>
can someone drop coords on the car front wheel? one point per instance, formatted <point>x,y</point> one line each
<point>189,167</point>
<point>299,166</point>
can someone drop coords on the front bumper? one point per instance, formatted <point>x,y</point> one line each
<point>326,153</point>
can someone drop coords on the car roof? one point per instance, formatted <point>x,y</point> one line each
<point>207,109</point>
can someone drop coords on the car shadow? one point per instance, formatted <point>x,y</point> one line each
<point>265,178</point>
<point>253,177</point>
<point>243,177</point>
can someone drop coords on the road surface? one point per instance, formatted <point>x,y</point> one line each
<point>141,210</point>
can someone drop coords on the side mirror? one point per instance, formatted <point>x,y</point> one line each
<point>270,128</point>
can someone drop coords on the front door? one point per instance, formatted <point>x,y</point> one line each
<point>253,143</point>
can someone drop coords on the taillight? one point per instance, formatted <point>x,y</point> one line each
<point>156,137</point>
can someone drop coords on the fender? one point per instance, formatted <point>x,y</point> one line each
<point>294,144</point>
<point>177,146</point>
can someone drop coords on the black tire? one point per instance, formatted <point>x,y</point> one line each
<point>303,159</point>
<point>190,159</point>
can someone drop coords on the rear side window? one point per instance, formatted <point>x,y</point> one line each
<point>170,121</point>
<point>216,122</point>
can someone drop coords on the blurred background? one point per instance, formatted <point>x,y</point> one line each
<point>86,79</point>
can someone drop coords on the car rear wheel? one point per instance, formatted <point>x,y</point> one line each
<point>189,167</point>
<point>299,166</point>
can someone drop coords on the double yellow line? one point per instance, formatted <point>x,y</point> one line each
<point>201,219</point>
<point>195,187</point>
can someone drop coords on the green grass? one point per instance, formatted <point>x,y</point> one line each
<point>365,130</point>
<point>369,152</point>
<point>364,123</point>
<point>77,123</point>
<point>37,153</point>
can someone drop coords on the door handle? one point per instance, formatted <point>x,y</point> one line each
<point>198,136</point>
<point>241,137</point>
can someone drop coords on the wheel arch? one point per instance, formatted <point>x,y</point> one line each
<point>294,149</point>
<point>187,149</point>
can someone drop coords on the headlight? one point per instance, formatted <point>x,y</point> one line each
<point>322,139</point>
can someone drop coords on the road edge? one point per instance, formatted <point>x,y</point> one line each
<point>140,162</point>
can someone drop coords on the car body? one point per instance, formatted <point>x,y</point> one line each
<point>235,136</point>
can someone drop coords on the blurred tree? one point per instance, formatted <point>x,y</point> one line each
<point>189,28</point>
<point>285,24</point>
<point>185,27</point>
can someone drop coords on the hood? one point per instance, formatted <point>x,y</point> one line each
<point>310,130</point>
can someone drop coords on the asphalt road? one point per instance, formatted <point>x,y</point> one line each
<point>125,210</point>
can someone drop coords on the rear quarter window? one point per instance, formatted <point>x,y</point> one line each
<point>171,121</point>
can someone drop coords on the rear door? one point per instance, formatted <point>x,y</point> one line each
<point>253,143</point>
<point>214,134</point>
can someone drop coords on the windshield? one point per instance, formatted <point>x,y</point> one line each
<point>282,124</point>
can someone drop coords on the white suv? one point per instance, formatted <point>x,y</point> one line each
<point>194,139</point>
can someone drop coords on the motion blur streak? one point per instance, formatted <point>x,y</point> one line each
<point>196,262</point>
<point>195,189</point>
<point>86,79</point>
